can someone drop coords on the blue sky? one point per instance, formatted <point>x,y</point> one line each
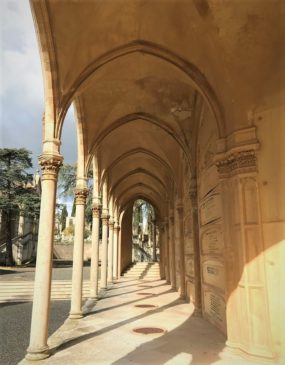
<point>21,85</point>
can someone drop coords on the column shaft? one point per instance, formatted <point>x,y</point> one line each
<point>110,250</point>
<point>105,219</point>
<point>78,250</point>
<point>115,253</point>
<point>94,253</point>
<point>172,253</point>
<point>38,348</point>
<point>181,250</point>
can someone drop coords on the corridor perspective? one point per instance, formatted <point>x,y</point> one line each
<point>180,106</point>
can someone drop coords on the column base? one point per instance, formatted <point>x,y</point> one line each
<point>261,356</point>
<point>73,315</point>
<point>37,354</point>
<point>197,312</point>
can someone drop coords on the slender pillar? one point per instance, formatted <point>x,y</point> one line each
<point>172,252</point>
<point>105,220</point>
<point>115,253</point>
<point>196,243</point>
<point>119,252</point>
<point>78,250</point>
<point>96,210</point>
<point>110,250</point>
<point>167,253</point>
<point>179,209</point>
<point>38,348</point>
<point>154,258</point>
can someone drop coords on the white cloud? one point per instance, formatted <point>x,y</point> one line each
<point>21,84</point>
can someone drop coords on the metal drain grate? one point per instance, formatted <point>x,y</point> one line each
<point>145,306</point>
<point>148,330</point>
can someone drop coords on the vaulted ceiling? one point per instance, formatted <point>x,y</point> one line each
<point>141,71</point>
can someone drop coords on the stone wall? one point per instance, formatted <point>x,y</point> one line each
<point>64,251</point>
<point>211,225</point>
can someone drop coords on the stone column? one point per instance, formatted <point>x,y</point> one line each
<point>196,244</point>
<point>78,251</point>
<point>119,252</point>
<point>115,253</point>
<point>167,259</point>
<point>105,220</point>
<point>38,348</point>
<point>172,252</point>
<point>154,258</point>
<point>96,211</point>
<point>110,250</point>
<point>162,256</point>
<point>180,227</point>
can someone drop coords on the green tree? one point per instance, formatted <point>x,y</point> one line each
<point>63,216</point>
<point>16,191</point>
<point>67,184</point>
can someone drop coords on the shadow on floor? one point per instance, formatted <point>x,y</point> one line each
<point>195,342</point>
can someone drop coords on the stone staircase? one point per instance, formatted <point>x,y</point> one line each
<point>22,291</point>
<point>143,270</point>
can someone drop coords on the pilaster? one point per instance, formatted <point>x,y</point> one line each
<point>248,322</point>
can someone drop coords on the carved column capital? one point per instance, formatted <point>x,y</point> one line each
<point>117,228</point>
<point>50,164</point>
<point>239,162</point>
<point>81,196</point>
<point>105,217</point>
<point>96,211</point>
<point>111,223</point>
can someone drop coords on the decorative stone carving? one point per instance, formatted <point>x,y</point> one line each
<point>211,208</point>
<point>105,218</point>
<point>96,211</point>
<point>111,223</point>
<point>117,228</point>
<point>81,196</point>
<point>50,165</point>
<point>237,163</point>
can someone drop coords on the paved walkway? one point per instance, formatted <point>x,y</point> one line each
<point>105,335</point>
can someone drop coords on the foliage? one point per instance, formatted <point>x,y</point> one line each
<point>63,216</point>
<point>67,180</point>
<point>16,191</point>
<point>67,184</point>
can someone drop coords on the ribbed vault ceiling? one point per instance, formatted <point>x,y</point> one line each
<point>137,71</point>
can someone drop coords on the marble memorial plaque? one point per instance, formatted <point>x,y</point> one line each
<point>211,209</point>
<point>212,241</point>
<point>215,308</point>
<point>214,273</point>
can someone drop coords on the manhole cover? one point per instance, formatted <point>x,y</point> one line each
<point>148,330</point>
<point>145,306</point>
<point>145,293</point>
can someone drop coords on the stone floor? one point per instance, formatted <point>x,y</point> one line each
<point>105,335</point>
